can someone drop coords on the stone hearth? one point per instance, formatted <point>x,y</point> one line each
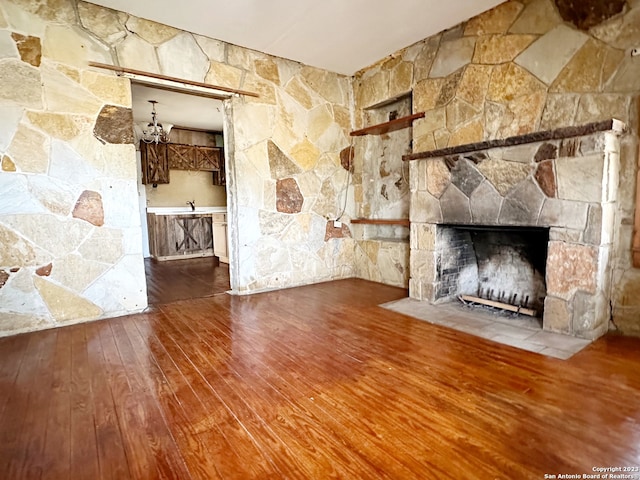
<point>564,180</point>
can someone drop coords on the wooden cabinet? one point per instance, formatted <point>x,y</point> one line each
<point>180,157</point>
<point>180,236</point>
<point>208,158</point>
<point>158,159</point>
<point>194,157</point>
<point>220,246</point>
<point>219,176</point>
<point>155,163</point>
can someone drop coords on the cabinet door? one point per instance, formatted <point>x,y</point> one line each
<point>219,176</point>
<point>192,234</point>
<point>208,158</point>
<point>161,235</point>
<point>182,157</point>
<point>155,164</point>
<point>220,249</point>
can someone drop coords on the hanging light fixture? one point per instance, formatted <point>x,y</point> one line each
<point>154,132</point>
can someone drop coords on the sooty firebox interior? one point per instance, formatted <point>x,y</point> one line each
<point>505,264</point>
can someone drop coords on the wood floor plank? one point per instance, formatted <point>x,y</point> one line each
<point>14,351</point>
<point>358,446</point>
<point>182,279</point>
<point>210,421</point>
<point>112,459</point>
<point>56,457</point>
<point>84,448</point>
<point>325,377</point>
<point>229,409</point>
<point>178,402</point>
<point>23,427</point>
<point>149,446</point>
<point>311,382</point>
<point>286,416</point>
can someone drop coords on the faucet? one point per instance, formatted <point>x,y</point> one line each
<point>192,204</point>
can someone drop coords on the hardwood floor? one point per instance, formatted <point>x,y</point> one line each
<point>307,383</point>
<point>172,280</point>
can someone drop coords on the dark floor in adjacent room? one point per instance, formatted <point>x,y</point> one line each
<point>172,280</point>
<point>311,382</point>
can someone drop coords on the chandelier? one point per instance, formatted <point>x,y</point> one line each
<point>154,132</point>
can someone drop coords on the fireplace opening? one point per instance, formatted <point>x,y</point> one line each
<point>505,265</point>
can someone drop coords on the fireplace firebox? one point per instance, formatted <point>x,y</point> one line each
<point>502,264</point>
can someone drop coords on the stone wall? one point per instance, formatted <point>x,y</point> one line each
<point>522,67</point>
<point>70,237</point>
<point>382,251</point>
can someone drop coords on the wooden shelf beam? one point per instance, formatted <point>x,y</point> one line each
<point>382,221</point>
<point>387,127</point>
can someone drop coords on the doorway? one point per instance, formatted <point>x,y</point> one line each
<point>196,124</point>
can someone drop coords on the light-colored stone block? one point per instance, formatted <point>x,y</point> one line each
<point>213,49</point>
<point>452,55</point>
<point>504,175</point>
<point>29,150</point>
<point>563,41</point>
<point>561,213</point>
<point>122,288</point>
<point>560,234</point>
<point>134,52</point>
<point>597,107</point>
<point>538,17</point>
<point>424,207</point>
<point>559,111</point>
<point>557,315</point>
<point>580,178</point>
<point>65,305</point>
<point>72,46</point>
<point>332,87</point>
<point>438,176</point>
<point>193,64</point>
<point>110,89</point>
<point>102,22</point>
<point>15,197</point>
<point>21,84</point>
<point>63,94</point>
<point>8,47</point>
<point>54,196</point>
<point>9,119</point>
<point>152,32</point>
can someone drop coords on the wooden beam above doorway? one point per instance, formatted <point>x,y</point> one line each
<point>226,92</point>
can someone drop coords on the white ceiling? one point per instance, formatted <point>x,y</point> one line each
<point>341,36</point>
<point>176,108</point>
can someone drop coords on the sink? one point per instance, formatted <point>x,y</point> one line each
<point>185,210</point>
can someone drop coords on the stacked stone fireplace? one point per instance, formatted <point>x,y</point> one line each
<point>526,221</point>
